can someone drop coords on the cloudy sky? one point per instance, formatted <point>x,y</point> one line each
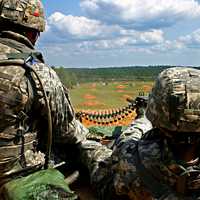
<point>102,33</point>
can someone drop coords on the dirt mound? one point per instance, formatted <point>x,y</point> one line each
<point>92,103</point>
<point>120,91</point>
<point>89,96</point>
<point>120,86</point>
<point>93,85</point>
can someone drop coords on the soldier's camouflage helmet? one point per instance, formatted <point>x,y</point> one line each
<point>26,13</point>
<point>174,103</point>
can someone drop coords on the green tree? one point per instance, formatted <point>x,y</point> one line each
<point>68,78</point>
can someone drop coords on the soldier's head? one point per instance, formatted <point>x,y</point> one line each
<point>174,103</point>
<point>25,17</point>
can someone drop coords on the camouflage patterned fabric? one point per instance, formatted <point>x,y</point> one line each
<point>159,163</point>
<point>137,128</point>
<point>114,175</point>
<point>13,100</point>
<point>27,13</point>
<point>144,164</point>
<point>175,99</point>
<point>24,108</point>
<point>24,92</point>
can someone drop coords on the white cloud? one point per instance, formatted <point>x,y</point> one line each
<point>154,36</point>
<point>142,14</point>
<point>192,40</point>
<point>84,34</point>
<point>68,35</point>
<point>168,46</point>
<point>68,28</point>
<point>124,31</point>
<point>62,38</point>
<point>79,27</point>
<point>126,41</point>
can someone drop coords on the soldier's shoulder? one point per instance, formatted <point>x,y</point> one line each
<point>147,148</point>
<point>5,49</point>
<point>45,71</point>
<point>13,72</point>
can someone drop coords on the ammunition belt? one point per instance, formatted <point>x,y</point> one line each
<point>107,117</point>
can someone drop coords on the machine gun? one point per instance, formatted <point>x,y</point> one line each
<point>115,117</point>
<point>139,101</point>
<point>106,126</point>
<point>140,104</point>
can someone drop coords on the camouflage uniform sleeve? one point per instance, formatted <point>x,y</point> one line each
<point>72,131</point>
<point>118,177</point>
<point>66,129</point>
<point>136,129</point>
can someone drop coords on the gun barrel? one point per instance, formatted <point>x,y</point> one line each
<point>130,100</point>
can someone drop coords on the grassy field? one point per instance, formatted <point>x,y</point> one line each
<point>99,96</point>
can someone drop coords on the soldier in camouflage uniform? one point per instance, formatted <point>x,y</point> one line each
<point>163,162</point>
<point>35,110</point>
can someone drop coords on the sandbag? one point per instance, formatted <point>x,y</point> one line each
<point>107,131</point>
<point>42,185</point>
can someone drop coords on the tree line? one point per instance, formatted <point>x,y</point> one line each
<point>73,76</point>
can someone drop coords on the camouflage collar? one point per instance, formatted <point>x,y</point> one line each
<point>17,37</point>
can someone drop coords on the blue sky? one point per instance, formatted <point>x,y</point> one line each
<point>64,6</point>
<point>103,33</point>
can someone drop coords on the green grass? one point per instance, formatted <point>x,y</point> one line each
<point>107,96</point>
